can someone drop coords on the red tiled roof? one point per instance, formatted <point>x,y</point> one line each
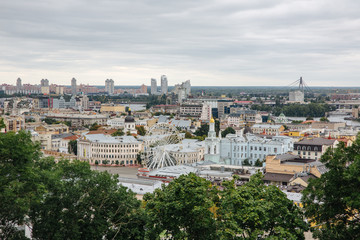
<point>73,137</point>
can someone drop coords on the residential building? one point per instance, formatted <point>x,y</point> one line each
<point>206,112</point>
<point>153,87</point>
<point>190,110</point>
<point>109,86</point>
<point>80,120</point>
<point>314,148</point>
<point>164,85</point>
<point>14,123</point>
<point>267,129</point>
<point>282,169</point>
<point>73,87</point>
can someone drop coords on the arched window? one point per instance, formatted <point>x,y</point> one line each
<point>309,148</point>
<point>303,148</point>
<point>298,148</point>
<point>316,149</point>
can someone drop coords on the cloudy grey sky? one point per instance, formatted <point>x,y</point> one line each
<point>211,42</point>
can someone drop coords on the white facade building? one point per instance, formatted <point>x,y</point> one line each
<point>105,149</point>
<point>235,149</point>
<point>206,112</point>
<point>164,85</point>
<point>153,87</point>
<point>109,86</point>
<point>296,96</point>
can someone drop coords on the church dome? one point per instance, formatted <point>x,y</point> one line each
<point>129,118</point>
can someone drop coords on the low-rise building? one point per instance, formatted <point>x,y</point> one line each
<point>190,110</point>
<point>314,148</point>
<point>105,149</point>
<point>14,123</point>
<point>267,129</point>
<point>79,120</point>
<point>110,108</point>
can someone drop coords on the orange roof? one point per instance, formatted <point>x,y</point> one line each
<point>103,131</point>
<point>73,137</point>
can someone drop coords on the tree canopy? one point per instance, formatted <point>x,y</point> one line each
<point>84,204</point>
<point>191,208</point>
<point>256,211</point>
<point>18,180</point>
<point>227,131</point>
<point>182,210</point>
<point>332,202</point>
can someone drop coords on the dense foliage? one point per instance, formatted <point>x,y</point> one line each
<point>18,180</point>
<point>83,204</point>
<point>182,210</point>
<point>118,132</point>
<point>227,131</point>
<point>64,200</point>
<point>72,147</point>
<point>332,202</point>
<point>191,208</point>
<point>256,211</point>
<point>296,110</point>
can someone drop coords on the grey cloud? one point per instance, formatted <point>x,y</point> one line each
<point>221,39</point>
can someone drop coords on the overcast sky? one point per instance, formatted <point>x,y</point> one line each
<point>221,42</point>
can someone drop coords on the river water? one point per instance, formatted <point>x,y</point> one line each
<point>332,118</point>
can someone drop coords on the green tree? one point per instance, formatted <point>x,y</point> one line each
<point>84,204</point>
<point>258,163</point>
<point>72,147</point>
<point>19,185</point>
<point>324,119</point>
<point>51,121</point>
<point>182,210</point>
<point>188,135</point>
<point>227,131</point>
<point>118,132</point>
<point>94,127</point>
<point>246,162</point>
<point>2,124</point>
<point>332,202</point>
<point>256,211</point>
<point>141,130</point>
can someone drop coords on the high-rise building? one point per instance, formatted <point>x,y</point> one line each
<point>153,86</point>
<point>18,85</point>
<point>73,86</point>
<point>44,83</point>
<point>109,86</point>
<point>164,84</point>
<point>143,88</point>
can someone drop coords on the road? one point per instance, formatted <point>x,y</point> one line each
<point>127,172</point>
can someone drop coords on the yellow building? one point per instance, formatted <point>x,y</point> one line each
<point>281,169</point>
<point>107,108</point>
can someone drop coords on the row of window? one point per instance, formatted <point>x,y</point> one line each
<point>113,156</point>
<point>307,148</point>
<point>115,150</point>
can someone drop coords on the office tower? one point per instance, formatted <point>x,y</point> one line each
<point>109,86</point>
<point>18,85</point>
<point>164,84</point>
<point>153,86</point>
<point>73,86</point>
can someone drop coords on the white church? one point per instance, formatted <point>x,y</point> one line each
<point>234,149</point>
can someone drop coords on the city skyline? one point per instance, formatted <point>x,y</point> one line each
<point>216,43</point>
